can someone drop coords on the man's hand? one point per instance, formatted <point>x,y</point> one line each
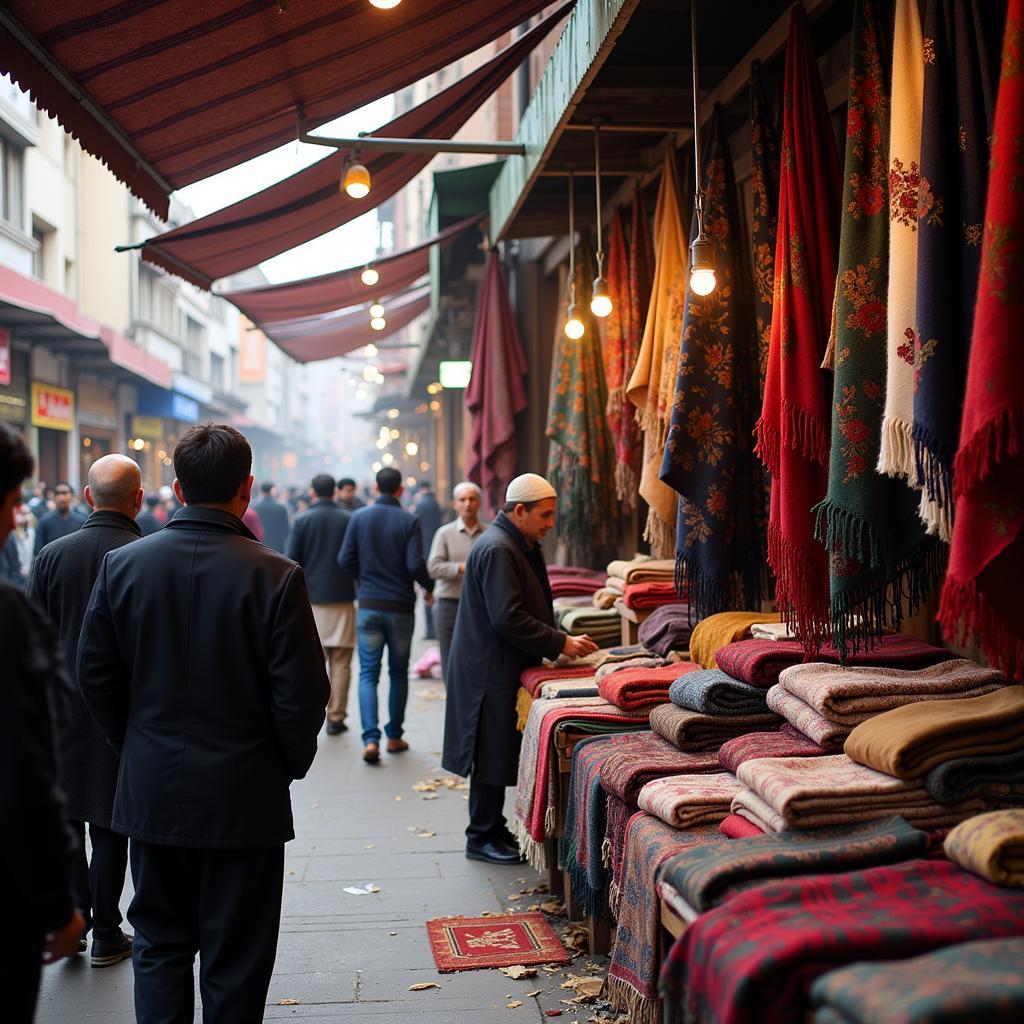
<point>578,646</point>
<point>462,568</point>
<point>428,599</point>
<point>64,941</point>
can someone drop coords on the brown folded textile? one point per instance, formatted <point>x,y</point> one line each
<point>990,845</point>
<point>690,730</point>
<point>909,741</point>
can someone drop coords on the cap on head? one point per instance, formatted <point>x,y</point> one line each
<point>529,487</point>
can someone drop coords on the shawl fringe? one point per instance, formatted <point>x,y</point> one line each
<point>627,484</point>
<point>606,853</point>
<point>935,473</point>
<point>588,898</point>
<point>795,588</point>
<point>966,615</point>
<point>896,458</point>
<point>1002,437</point>
<point>659,534</point>
<point>623,996</point>
<point>528,846</point>
<point>767,445</point>
<point>614,898</point>
<point>573,482</point>
<point>704,595</point>
<point>806,434</point>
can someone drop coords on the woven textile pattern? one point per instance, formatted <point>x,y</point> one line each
<point>683,801</point>
<point>712,692</point>
<point>690,730</point>
<point>787,742</point>
<point>991,846</point>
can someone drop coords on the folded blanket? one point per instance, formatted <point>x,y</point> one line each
<point>667,628</point>
<point>787,742</point>
<point>605,597</point>
<point>633,974</point>
<point>621,566</point>
<point>646,661</point>
<point>714,632</point>
<point>735,826</point>
<point>759,662</point>
<point>990,845</point>
<point>690,730</point>
<point>971,981</point>
<point>712,692</point>
<point>706,878</point>
<point>642,687</point>
<point>562,604</point>
<point>683,801</point>
<point>531,679</point>
<point>644,569</point>
<point>785,793</point>
<point>772,631</point>
<point>910,741</point>
<point>615,585</point>
<point>975,776</point>
<point>577,621</point>
<point>814,726</point>
<point>524,701</point>
<point>652,594</point>
<point>751,960</point>
<point>569,688</point>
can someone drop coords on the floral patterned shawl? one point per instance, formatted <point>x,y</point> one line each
<point>709,457</point>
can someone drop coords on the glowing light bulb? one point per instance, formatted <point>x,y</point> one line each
<point>574,327</point>
<point>387,458</point>
<point>360,393</point>
<point>376,310</point>
<point>385,5</point>
<point>369,277</point>
<point>357,181</point>
<point>377,467</point>
<point>412,448</point>
<point>378,323</point>
<point>370,350</point>
<point>702,280</point>
<point>601,301</point>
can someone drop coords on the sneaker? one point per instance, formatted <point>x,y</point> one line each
<point>83,944</point>
<point>106,952</point>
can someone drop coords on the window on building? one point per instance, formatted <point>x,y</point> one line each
<point>195,347</point>
<point>69,279</point>
<point>217,371</point>
<point>12,184</point>
<point>42,267</point>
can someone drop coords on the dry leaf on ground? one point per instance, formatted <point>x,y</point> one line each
<point>517,971</point>
<point>289,1002</point>
<point>421,986</point>
<point>514,1004</point>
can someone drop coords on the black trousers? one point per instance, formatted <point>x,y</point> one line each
<point>98,882</point>
<point>486,820</point>
<point>21,969</point>
<point>445,610</point>
<point>223,904</point>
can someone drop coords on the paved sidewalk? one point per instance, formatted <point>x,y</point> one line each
<point>350,958</point>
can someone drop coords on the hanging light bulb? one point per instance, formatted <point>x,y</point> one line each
<point>376,310</point>
<point>357,178</point>
<point>600,299</point>
<point>574,327</point>
<point>369,277</point>
<point>385,5</point>
<point>702,249</point>
<point>370,350</point>
<point>378,323</point>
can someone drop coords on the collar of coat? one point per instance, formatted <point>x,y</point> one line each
<point>503,522</point>
<point>388,499</point>
<point>108,517</point>
<point>200,517</point>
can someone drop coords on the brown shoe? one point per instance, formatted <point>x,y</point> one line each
<point>397,746</point>
<point>371,753</point>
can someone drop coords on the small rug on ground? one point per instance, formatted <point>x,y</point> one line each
<point>474,943</point>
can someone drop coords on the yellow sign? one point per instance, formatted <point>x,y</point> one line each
<point>52,407</point>
<point>147,426</point>
<point>252,355</point>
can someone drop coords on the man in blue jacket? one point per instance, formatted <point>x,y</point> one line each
<point>383,551</point>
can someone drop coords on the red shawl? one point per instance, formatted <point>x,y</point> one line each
<point>634,688</point>
<point>981,596</point>
<point>532,679</point>
<point>793,432</point>
<point>652,594</point>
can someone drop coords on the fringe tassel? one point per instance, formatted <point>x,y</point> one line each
<point>896,457</point>
<point>660,535</point>
<point>935,474</point>
<point>766,446</point>
<point>589,899</point>
<point>795,587</point>
<point>1001,438</point>
<point>627,484</point>
<point>550,820</point>
<point>625,998</point>
<point>805,433</point>
<point>704,594</point>
<point>614,898</point>
<point>606,853</point>
<point>529,847</point>
<point>965,615</point>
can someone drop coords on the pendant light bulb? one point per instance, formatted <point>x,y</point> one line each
<point>378,323</point>
<point>385,5</point>
<point>376,310</point>
<point>600,300</point>
<point>369,277</point>
<point>702,265</point>
<point>574,327</point>
<point>357,180</point>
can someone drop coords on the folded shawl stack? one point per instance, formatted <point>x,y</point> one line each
<point>683,801</point>
<point>716,631</point>
<point>642,687</point>
<point>603,626</point>
<point>690,730</point>
<point>640,597</point>
<point>992,777</point>
<point>826,702</point>
<point>787,742</point>
<point>712,692</point>
<point>992,846</point>
<point>642,569</point>
<point>666,629</point>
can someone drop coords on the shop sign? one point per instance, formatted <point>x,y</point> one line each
<point>52,407</point>
<point>147,426</point>
<point>97,403</point>
<point>5,356</point>
<point>184,408</point>
<point>252,357</point>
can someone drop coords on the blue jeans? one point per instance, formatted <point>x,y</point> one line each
<point>374,630</point>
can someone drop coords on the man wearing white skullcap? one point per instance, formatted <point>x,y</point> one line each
<point>505,623</point>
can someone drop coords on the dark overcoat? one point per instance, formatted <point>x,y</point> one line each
<point>504,624</point>
<point>200,660</point>
<point>60,583</point>
<point>274,519</point>
<point>314,542</point>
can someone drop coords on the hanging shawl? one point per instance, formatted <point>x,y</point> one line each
<point>896,456</point>
<point>981,597</point>
<point>764,183</point>
<point>792,434</point>
<point>581,465</point>
<point>652,386</point>
<point>709,457</point>
<point>878,549</point>
<point>961,54</point>
<point>496,394</point>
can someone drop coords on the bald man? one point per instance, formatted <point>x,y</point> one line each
<point>62,578</point>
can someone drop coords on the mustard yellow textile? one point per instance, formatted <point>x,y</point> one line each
<point>724,628</point>
<point>990,845</point>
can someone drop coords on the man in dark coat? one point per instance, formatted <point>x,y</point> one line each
<point>274,517</point>
<point>314,542</point>
<point>149,518</point>
<point>348,499</point>
<point>505,623</point>
<point>428,514</point>
<point>62,520</point>
<point>38,850</point>
<point>62,577</point>
<point>200,661</point>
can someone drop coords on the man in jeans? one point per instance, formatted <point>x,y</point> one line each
<point>383,551</point>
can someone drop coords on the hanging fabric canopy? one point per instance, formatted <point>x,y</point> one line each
<point>325,337</point>
<point>295,299</point>
<point>496,392</point>
<point>167,94</point>
<point>708,457</point>
<point>311,202</point>
<point>652,386</point>
<point>793,431</point>
<point>981,596</point>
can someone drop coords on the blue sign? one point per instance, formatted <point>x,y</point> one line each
<point>154,401</point>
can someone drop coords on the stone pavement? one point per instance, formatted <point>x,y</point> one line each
<point>348,958</point>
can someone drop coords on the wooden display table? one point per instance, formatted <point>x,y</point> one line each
<point>631,621</point>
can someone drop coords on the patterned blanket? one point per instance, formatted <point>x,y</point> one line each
<point>992,774</point>
<point>714,632</point>
<point>707,876</point>
<point>751,960</point>
<point>690,730</point>
<point>633,975</point>
<point>532,679</point>
<point>786,793</point>
<point>787,742</point>
<point>712,692</point>
<point>642,687</point>
<point>979,981</point>
<point>650,594</point>
<point>910,741</point>
<point>992,846</point>
<point>684,801</point>
<point>667,628</point>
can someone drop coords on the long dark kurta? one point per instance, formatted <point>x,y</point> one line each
<point>505,624</point>
<point>61,581</point>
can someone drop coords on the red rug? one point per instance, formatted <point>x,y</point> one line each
<point>472,943</point>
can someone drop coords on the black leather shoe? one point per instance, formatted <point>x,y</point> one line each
<point>107,952</point>
<point>492,853</point>
<point>333,728</point>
